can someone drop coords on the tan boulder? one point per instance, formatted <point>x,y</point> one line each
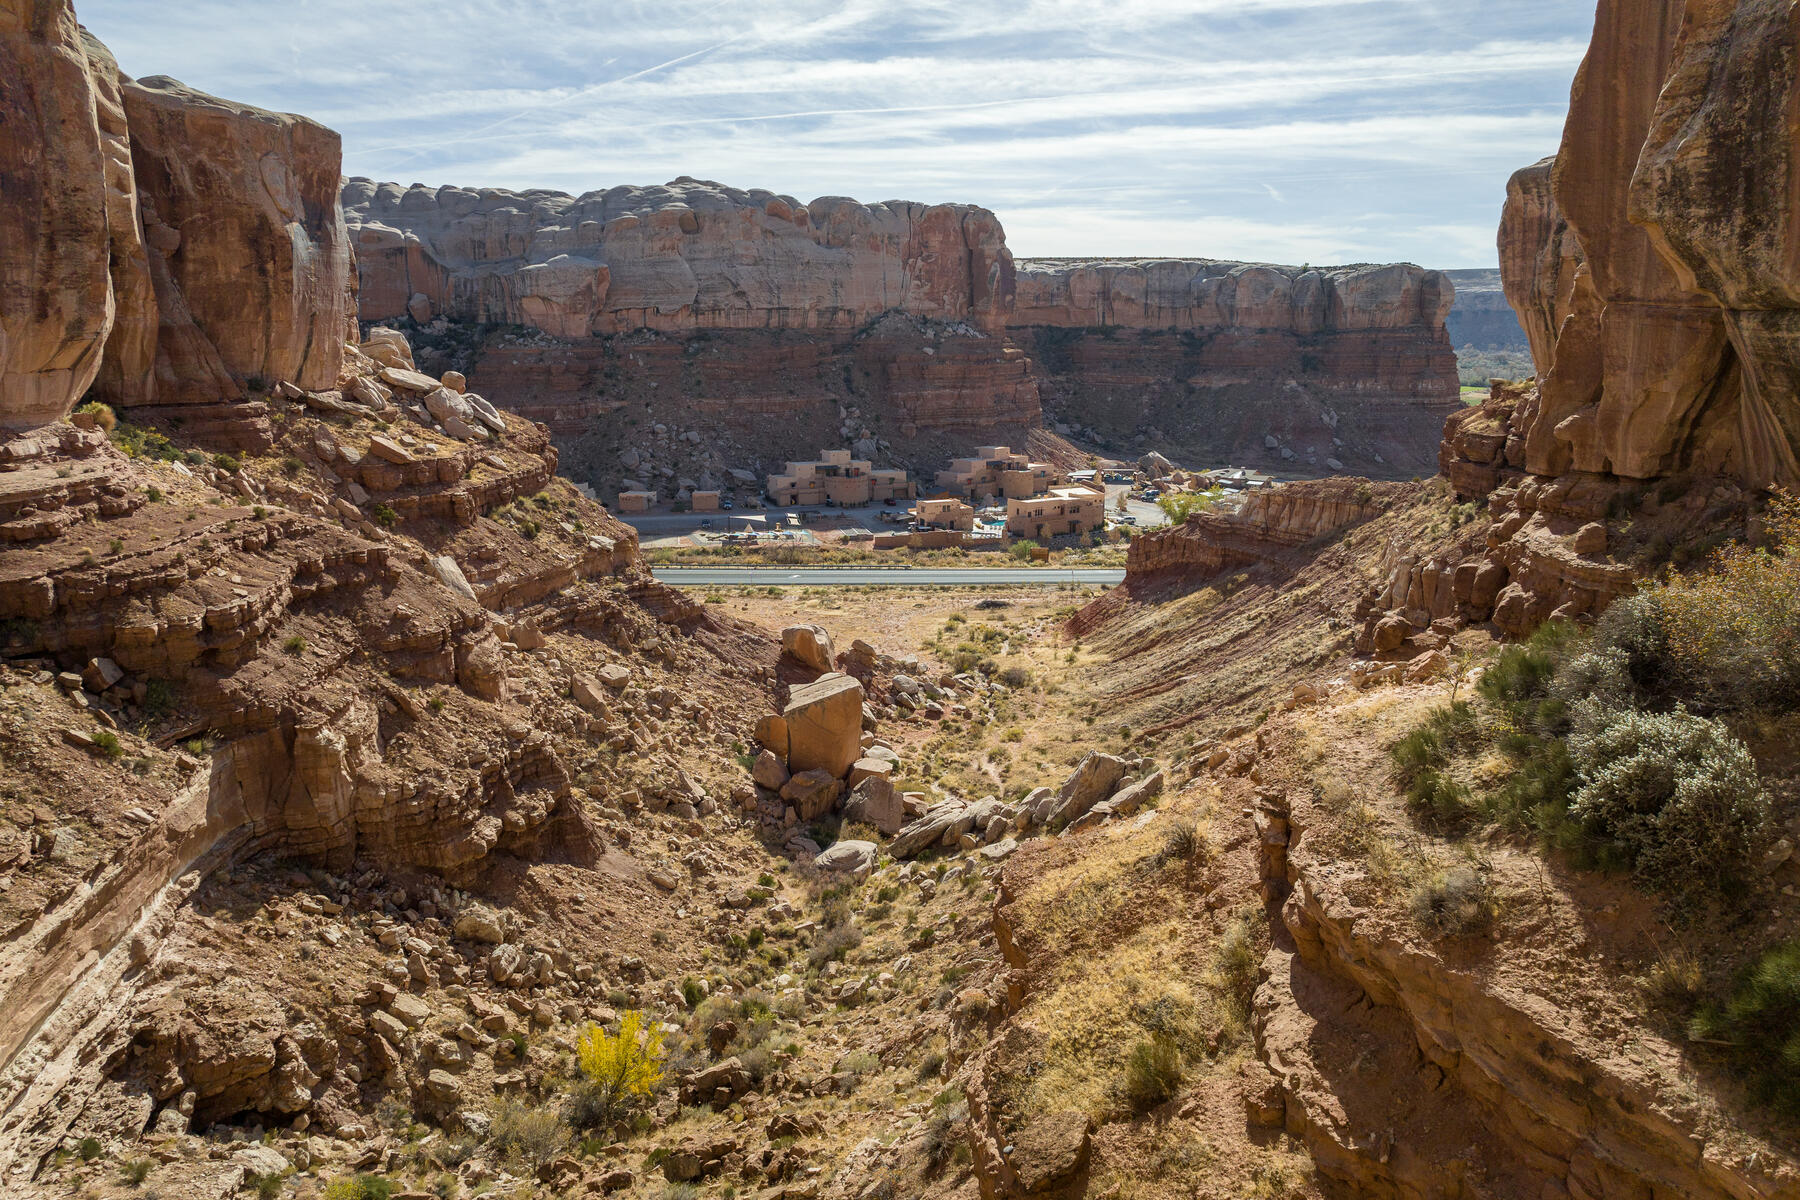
<point>808,645</point>
<point>867,768</point>
<point>769,772</point>
<point>824,724</point>
<point>772,734</point>
<point>812,793</point>
<point>455,381</point>
<point>408,380</point>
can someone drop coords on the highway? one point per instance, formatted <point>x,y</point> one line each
<point>888,576</point>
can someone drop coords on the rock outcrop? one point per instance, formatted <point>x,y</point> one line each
<point>685,256</point>
<point>1482,316</point>
<point>186,250</point>
<point>1653,266</point>
<point>1268,524</point>
<point>739,305</point>
<point>1652,260</point>
<point>1208,359</point>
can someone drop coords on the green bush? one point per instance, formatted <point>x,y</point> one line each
<point>528,1134</point>
<point>385,516</point>
<point>1677,793</point>
<point>359,1187</point>
<point>1760,1022</point>
<point>1152,1073</point>
<point>1453,903</point>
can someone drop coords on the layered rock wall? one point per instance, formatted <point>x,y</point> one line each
<point>1653,261</point>
<point>914,313</point>
<point>685,256</point>
<point>174,248</point>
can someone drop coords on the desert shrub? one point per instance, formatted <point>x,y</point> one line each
<point>1014,677</point>
<point>691,992</point>
<point>1184,844</point>
<point>1152,1073</point>
<point>833,945</point>
<point>1733,629</point>
<point>1523,672</point>
<point>1439,801</point>
<point>1238,962</point>
<point>107,742</point>
<point>385,516</point>
<point>943,1133</point>
<point>1431,745</point>
<point>103,415</point>
<point>618,1070</point>
<point>1021,550</point>
<point>295,644</point>
<point>359,1187</point>
<point>528,1133</point>
<point>134,1173</point>
<point>1760,1023</point>
<point>267,1186</point>
<point>1676,793</point>
<point>88,1149</point>
<point>1453,903</point>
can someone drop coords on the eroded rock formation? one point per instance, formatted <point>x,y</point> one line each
<point>741,305</point>
<point>688,255</point>
<point>176,249</point>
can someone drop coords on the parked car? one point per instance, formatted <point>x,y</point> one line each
<point>725,505</point>
<point>706,522</point>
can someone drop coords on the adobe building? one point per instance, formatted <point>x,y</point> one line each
<point>704,501</point>
<point>998,471</point>
<point>836,478</point>
<point>636,502</point>
<point>944,512</point>
<point>1057,513</point>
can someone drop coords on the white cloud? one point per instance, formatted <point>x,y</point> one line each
<point>1221,127</point>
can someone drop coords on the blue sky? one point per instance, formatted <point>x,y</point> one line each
<point>1319,131</point>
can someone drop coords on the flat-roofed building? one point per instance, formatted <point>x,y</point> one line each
<point>636,502</point>
<point>704,501</point>
<point>1057,513</point>
<point>998,471</point>
<point>944,512</point>
<point>836,478</point>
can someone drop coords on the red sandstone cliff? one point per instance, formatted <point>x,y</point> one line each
<point>796,304</point>
<point>165,247</point>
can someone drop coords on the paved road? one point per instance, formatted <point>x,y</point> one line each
<point>892,576</point>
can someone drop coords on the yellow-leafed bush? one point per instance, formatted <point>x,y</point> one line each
<point>617,1068</point>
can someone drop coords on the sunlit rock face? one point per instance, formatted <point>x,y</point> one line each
<point>687,255</point>
<point>164,247</point>
<point>1654,262</point>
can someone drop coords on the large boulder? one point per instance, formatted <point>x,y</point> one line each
<point>808,645</point>
<point>772,734</point>
<point>824,725</point>
<point>1092,781</point>
<point>812,793</point>
<point>769,771</point>
<point>876,802</point>
<point>853,858</point>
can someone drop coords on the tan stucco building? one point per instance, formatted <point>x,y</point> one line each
<point>636,502</point>
<point>1057,513</point>
<point>998,471</point>
<point>944,512</point>
<point>837,478</point>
